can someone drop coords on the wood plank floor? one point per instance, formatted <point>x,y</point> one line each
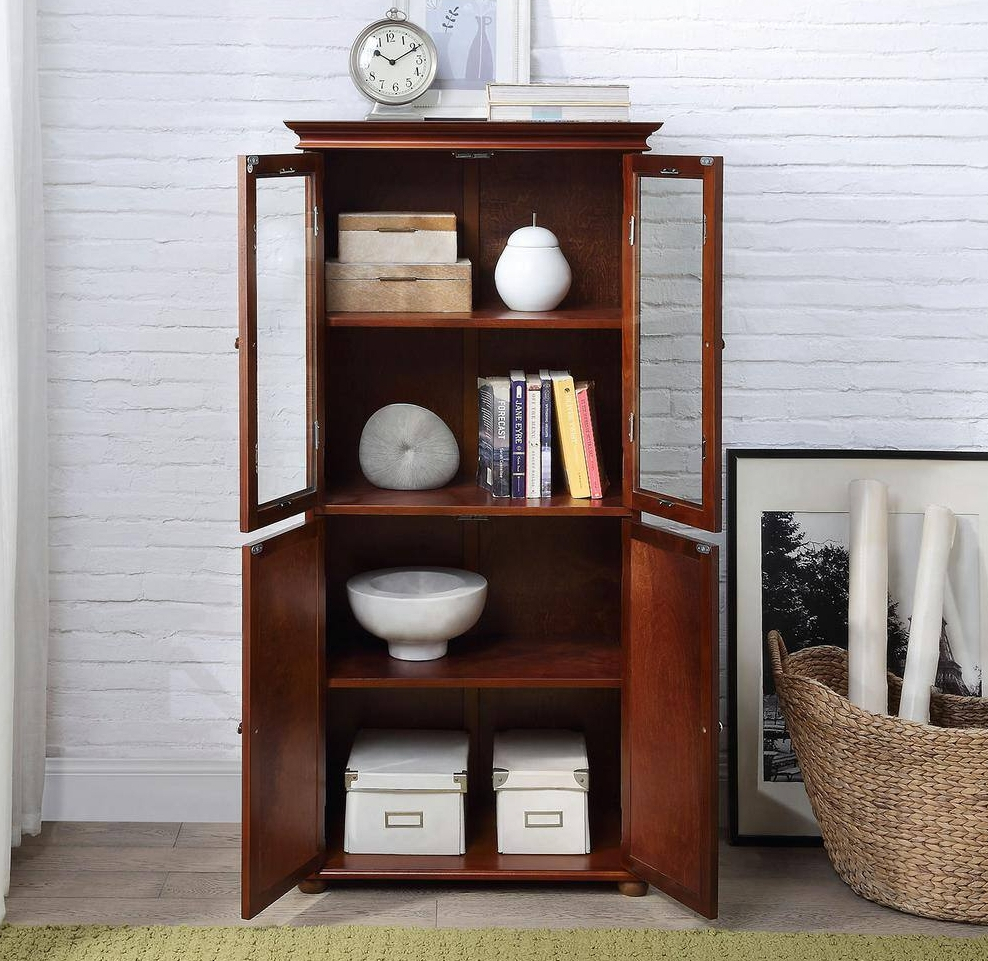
<point>188,874</point>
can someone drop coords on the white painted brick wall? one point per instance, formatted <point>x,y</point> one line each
<point>856,289</point>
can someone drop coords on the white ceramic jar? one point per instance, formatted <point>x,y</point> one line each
<point>532,274</point>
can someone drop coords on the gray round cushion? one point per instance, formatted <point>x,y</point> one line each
<point>408,448</point>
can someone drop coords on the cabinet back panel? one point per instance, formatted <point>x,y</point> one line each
<point>369,368</point>
<point>370,180</point>
<point>533,566</point>
<point>588,354</point>
<point>578,196</point>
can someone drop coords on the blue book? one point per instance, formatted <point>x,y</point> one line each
<point>546,433</point>
<point>517,378</point>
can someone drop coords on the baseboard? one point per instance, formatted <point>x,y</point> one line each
<point>94,789</point>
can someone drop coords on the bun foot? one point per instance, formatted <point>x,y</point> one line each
<point>313,887</point>
<point>633,889</point>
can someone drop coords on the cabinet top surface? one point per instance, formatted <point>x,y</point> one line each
<point>471,135</point>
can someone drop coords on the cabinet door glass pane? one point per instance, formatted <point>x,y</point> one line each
<point>670,344</point>
<point>282,428</point>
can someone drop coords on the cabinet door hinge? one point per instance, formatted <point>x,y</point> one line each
<point>703,449</point>
<point>315,434</point>
<point>631,231</point>
<point>704,230</point>
<point>631,427</point>
<point>315,219</point>
<point>256,468</point>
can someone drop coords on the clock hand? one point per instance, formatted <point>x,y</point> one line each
<point>377,53</point>
<point>406,53</point>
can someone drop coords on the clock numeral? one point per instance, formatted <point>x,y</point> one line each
<point>389,36</point>
<point>382,84</point>
<point>372,76</point>
<point>408,83</point>
<point>418,73</point>
<point>420,60</point>
<point>403,40</point>
<point>395,87</point>
<point>378,39</point>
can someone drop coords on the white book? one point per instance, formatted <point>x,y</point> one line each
<point>536,93</point>
<point>557,112</point>
<point>533,435</point>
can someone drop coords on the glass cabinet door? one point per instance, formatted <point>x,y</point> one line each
<point>672,337</point>
<point>281,308</point>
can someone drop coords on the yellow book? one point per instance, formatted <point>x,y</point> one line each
<point>570,435</point>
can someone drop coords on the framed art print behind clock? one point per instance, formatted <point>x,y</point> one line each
<point>788,533</point>
<point>478,42</point>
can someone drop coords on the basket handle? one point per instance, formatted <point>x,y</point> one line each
<point>777,653</point>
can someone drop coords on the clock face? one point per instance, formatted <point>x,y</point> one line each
<point>393,61</point>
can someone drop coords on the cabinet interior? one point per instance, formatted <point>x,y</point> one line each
<point>577,195</point>
<point>482,713</point>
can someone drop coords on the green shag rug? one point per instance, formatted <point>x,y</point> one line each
<point>90,942</point>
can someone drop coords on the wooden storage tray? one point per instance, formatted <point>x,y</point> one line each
<point>408,288</point>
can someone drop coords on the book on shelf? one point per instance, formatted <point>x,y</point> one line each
<point>558,111</point>
<point>587,409</point>
<point>533,435</point>
<point>518,385</point>
<point>559,93</point>
<point>546,432</point>
<point>570,434</point>
<point>493,457</point>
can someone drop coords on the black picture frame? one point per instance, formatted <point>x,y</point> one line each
<point>735,456</point>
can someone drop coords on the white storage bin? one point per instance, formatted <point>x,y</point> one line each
<point>405,793</point>
<point>542,784</point>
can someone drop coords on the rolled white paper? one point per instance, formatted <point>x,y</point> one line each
<point>867,596</point>
<point>923,653</point>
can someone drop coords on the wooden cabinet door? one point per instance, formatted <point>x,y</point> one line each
<point>282,267</point>
<point>669,716</point>
<point>672,337</point>
<point>284,753</point>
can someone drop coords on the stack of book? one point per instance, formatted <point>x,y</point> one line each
<point>515,447</point>
<point>557,101</point>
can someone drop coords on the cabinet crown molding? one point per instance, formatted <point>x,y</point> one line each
<point>471,135</point>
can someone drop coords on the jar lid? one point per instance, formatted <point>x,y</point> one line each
<point>533,237</point>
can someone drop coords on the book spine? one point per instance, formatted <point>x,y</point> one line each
<point>589,445</point>
<point>501,456</point>
<point>557,111</point>
<point>533,437</point>
<point>546,437</point>
<point>570,437</point>
<point>485,440</point>
<point>517,434</point>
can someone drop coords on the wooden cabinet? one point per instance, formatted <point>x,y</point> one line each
<point>595,620</point>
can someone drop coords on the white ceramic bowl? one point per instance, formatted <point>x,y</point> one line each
<point>417,609</point>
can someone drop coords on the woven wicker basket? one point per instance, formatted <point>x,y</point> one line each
<point>902,807</point>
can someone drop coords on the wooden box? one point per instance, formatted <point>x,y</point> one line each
<point>542,783</point>
<point>408,288</point>
<point>405,791</point>
<point>397,238</point>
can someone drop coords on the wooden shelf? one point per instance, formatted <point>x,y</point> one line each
<point>481,662</point>
<point>494,318</point>
<point>483,863</point>
<point>463,498</point>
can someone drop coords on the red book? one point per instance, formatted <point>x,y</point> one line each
<point>588,428</point>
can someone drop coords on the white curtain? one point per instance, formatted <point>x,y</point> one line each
<point>23,438</point>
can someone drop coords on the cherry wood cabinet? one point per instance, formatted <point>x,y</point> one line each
<point>596,619</point>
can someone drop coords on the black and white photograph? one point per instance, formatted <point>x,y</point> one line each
<point>804,596</point>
